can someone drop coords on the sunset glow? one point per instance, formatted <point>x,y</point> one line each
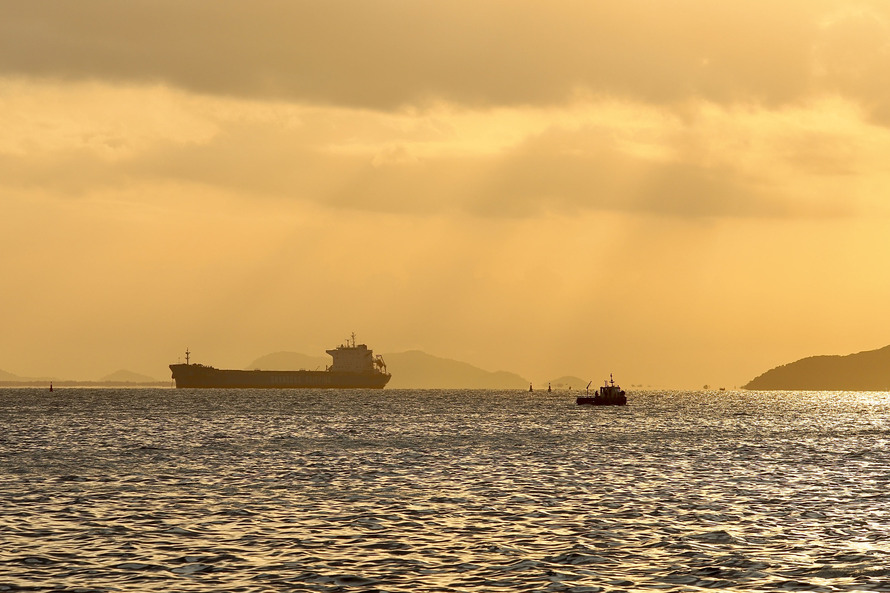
<point>680,193</point>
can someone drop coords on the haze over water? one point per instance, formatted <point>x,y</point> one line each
<point>179,490</point>
<point>683,193</point>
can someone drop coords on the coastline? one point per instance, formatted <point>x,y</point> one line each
<point>46,383</point>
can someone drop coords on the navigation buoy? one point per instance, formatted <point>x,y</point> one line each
<point>530,388</point>
<point>548,388</point>
<point>50,385</point>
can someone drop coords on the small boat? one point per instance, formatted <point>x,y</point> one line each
<point>607,395</point>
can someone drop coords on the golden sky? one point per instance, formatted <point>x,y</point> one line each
<point>679,193</point>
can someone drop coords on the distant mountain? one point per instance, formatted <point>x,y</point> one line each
<point>4,376</point>
<point>124,376</point>
<point>418,370</point>
<point>290,361</point>
<point>410,370</point>
<point>569,381</point>
<point>864,371</point>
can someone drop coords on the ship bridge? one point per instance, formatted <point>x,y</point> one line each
<point>352,358</point>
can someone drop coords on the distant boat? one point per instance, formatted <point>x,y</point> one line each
<point>354,366</point>
<point>607,395</point>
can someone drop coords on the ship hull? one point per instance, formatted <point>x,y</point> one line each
<point>598,401</point>
<point>199,376</point>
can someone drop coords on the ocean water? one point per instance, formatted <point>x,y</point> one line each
<point>243,490</point>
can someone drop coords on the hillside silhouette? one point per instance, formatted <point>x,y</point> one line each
<point>10,379</point>
<point>125,376</point>
<point>568,382</point>
<point>410,370</point>
<point>120,378</point>
<point>5,376</point>
<point>863,371</point>
<point>418,370</point>
<point>289,361</point>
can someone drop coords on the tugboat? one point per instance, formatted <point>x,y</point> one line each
<point>607,395</point>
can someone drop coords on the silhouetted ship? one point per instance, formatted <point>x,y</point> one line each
<point>607,395</point>
<point>354,367</point>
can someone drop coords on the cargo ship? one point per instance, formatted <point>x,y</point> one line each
<point>354,367</point>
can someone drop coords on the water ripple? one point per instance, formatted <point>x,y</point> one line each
<point>131,490</point>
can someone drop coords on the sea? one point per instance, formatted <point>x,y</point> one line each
<point>442,490</point>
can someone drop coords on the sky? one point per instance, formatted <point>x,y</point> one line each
<point>679,193</point>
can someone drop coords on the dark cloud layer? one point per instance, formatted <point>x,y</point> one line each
<point>389,53</point>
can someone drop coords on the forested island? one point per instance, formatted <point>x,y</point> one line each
<point>863,371</point>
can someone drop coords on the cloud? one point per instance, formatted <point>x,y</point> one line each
<point>852,57</point>
<point>580,170</point>
<point>387,54</point>
<point>596,154</point>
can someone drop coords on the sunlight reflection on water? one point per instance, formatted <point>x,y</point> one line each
<point>114,489</point>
